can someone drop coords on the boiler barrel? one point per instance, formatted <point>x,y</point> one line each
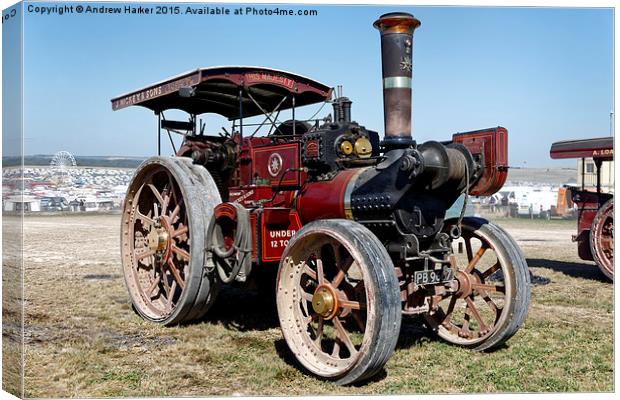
<point>328,199</point>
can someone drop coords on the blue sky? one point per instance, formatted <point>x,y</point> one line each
<point>546,74</point>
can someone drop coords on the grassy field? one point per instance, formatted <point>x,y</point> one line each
<point>83,339</point>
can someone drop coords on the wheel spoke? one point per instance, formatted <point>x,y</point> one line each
<point>166,203</point>
<point>338,278</point>
<point>342,271</point>
<point>175,213</point>
<point>453,263</point>
<point>143,254</point>
<point>491,270</point>
<point>304,304</point>
<point>476,258</point>
<point>164,278</point>
<point>171,187</point>
<point>308,271</point>
<point>175,273</point>
<point>470,253</point>
<point>336,349</point>
<point>306,296</point>
<point>465,327</point>
<point>354,305</point>
<point>489,288</point>
<point>169,300</point>
<point>155,283</point>
<point>319,270</point>
<point>157,194</point>
<point>180,252</point>
<point>490,303</point>
<point>344,336</point>
<point>450,308</point>
<point>477,316</point>
<point>183,229</point>
<point>319,332</point>
<point>146,219</point>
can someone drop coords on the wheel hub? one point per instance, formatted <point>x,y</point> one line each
<point>158,237</point>
<point>465,281</point>
<point>324,301</point>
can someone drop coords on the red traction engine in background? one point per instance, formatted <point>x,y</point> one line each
<point>351,228</point>
<point>595,219</point>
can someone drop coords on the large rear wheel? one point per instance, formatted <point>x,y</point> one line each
<point>492,288</point>
<point>338,300</point>
<point>602,239</point>
<point>168,205</point>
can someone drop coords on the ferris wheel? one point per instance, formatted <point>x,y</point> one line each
<point>62,163</point>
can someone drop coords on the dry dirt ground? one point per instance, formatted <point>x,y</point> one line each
<point>83,339</point>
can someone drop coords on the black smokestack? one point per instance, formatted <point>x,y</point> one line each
<point>396,57</point>
<point>342,107</point>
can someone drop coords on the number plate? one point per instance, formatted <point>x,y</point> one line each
<point>431,277</point>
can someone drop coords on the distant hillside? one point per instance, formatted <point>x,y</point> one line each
<point>551,176</point>
<point>82,161</point>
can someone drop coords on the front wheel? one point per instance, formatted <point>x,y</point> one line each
<point>602,239</point>
<point>492,283</point>
<point>338,300</point>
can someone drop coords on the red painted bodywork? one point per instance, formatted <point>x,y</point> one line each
<point>284,155</point>
<point>491,145</point>
<point>320,200</point>
<point>587,206</point>
<point>278,225</point>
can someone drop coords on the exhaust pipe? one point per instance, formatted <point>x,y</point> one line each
<point>396,54</point>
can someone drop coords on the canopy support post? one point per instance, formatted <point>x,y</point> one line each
<point>241,113</point>
<point>583,173</point>
<point>159,133</point>
<point>598,162</point>
<point>294,116</point>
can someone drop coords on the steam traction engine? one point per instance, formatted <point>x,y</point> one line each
<point>595,218</point>
<point>355,226</point>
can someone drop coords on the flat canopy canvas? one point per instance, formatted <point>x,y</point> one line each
<point>602,148</point>
<point>233,92</point>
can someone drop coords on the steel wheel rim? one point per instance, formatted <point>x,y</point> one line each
<point>604,240</point>
<point>329,344</point>
<point>157,278</point>
<point>485,290</point>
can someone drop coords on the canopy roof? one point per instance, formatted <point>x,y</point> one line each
<point>602,148</point>
<point>216,90</point>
